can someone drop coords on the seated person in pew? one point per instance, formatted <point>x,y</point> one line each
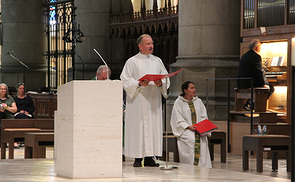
<point>24,103</point>
<point>187,110</point>
<point>250,66</point>
<point>7,105</point>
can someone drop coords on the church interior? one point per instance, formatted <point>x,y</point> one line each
<point>54,48</point>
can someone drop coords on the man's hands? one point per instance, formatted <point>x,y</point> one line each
<point>146,82</point>
<point>158,83</point>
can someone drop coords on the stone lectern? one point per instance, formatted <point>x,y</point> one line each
<point>88,129</point>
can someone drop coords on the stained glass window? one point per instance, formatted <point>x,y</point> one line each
<point>52,14</point>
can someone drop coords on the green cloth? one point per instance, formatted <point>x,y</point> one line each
<point>197,137</point>
<point>6,114</point>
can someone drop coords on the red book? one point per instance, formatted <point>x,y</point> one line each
<point>154,77</point>
<point>204,127</point>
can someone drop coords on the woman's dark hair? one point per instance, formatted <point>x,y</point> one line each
<point>19,84</point>
<point>185,86</point>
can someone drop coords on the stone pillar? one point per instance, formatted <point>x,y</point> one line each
<point>87,146</point>
<point>93,17</point>
<point>208,48</point>
<point>23,33</point>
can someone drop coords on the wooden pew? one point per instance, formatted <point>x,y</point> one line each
<point>45,105</point>
<point>13,130</point>
<point>218,137</point>
<point>36,143</point>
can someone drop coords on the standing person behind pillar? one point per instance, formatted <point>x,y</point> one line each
<point>101,73</point>
<point>143,117</point>
<point>250,66</point>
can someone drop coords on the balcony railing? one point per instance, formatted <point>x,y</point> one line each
<point>145,15</point>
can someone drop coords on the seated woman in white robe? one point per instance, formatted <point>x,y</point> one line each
<point>188,109</point>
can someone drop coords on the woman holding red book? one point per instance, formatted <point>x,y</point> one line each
<point>188,109</point>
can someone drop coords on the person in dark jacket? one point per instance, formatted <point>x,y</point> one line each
<point>250,66</point>
<point>24,103</point>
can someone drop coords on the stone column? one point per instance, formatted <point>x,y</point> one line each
<point>93,17</point>
<point>23,33</point>
<point>208,48</point>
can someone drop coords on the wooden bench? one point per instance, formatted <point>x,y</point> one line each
<point>13,130</point>
<point>36,143</point>
<point>172,147</point>
<point>266,143</point>
<point>218,137</point>
<point>260,95</point>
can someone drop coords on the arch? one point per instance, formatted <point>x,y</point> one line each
<point>165,28</point>
<point>153,29</point>
<point>140,30</point>
<point>160,29</point>
<point>129,32</point>
<point>147,30</point>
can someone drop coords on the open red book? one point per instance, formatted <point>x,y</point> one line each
<point>154,77</point>
<point>204,127</point>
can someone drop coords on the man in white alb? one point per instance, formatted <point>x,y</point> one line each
<point>143,117</point>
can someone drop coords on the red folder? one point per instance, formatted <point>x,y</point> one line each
<point>154,77</point>
<point>204,127</point>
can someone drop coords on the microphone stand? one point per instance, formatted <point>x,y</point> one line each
<point>104,63</point>
<point>166,167</point>
<point>24,65</point>
<point>83,64</point>
<point>18,60</point>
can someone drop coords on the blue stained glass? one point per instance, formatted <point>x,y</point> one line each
<point>52,14</point>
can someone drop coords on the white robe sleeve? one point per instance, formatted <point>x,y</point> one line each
<point>130,84</point>
<point>177,122</point>
<point>165,85</point>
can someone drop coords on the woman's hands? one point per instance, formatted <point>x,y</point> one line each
<point>11,109</point>
<point>191,128</point>
<point>4,105</point>
<point>23,111</point>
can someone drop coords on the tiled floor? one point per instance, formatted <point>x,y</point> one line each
<point>27,170</point>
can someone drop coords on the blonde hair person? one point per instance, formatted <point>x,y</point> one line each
<point>7,103</point>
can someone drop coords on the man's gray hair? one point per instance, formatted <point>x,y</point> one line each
<point>6,94</point>
<point>254,43</point>
<point>139,40</point>
<point>102,68</point>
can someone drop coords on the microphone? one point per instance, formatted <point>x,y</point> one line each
<point>103,62</point>
<point>10,51</point>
